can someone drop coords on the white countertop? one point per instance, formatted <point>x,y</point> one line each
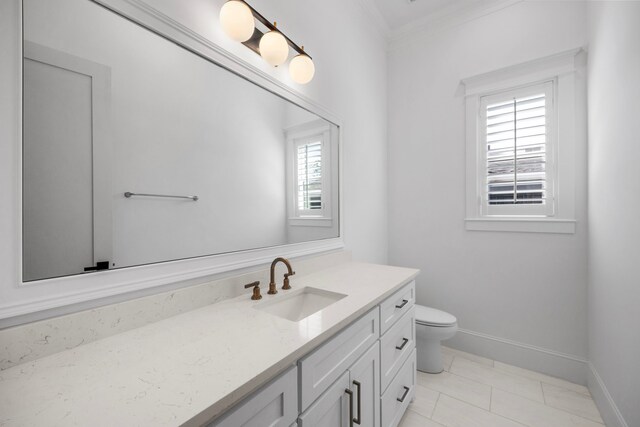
<point>189,368</point>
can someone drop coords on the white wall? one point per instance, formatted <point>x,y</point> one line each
<point>614,230</point>
<point>540,304</point>
<point>350,82</point>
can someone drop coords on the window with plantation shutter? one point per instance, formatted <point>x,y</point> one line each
<point>309,177</point>
<point>525,125</point>
<point>309,174</point>
<point>517,146</point>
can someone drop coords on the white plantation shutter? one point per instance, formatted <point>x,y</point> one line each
<point>517,128</point>
<point>309,177</point>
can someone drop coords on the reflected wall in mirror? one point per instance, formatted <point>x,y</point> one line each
<point>111,107</point>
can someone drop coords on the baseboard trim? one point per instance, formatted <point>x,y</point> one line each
<point>561,365</point>
<point>607,407</point>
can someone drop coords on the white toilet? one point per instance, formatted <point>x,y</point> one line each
<point>432,326</point>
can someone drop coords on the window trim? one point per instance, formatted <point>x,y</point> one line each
<point>561,69</point>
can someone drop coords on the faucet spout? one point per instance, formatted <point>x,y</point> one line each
<point>272,279</point>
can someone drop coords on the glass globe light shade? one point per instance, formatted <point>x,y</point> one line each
<point>237,20</point>
<point>301,69</point>
<point>274,48</point>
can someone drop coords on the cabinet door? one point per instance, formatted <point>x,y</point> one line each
<point>276,405</point>
<point>332,407</point>
<point>365,385</point>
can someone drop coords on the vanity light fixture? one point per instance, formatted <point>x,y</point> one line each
<point>272,44</point>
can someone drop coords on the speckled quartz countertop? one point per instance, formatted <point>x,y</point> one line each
<point>186,369</point>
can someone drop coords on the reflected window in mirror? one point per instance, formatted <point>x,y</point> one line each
<point>310,151</point>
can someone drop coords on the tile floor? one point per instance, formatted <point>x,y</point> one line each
<point>477,392</point>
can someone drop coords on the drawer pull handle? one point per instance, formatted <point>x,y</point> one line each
<point>404,342</point>
<point>404,302</point>
<point>358,419</point>
<point>404,395</point>
<point>350,393</point>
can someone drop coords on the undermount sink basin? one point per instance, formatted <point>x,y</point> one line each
<point>300,303</point>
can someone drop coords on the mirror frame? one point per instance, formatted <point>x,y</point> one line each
<point>22,298</point>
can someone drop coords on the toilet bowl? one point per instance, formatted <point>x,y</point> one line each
<point>432,327</point>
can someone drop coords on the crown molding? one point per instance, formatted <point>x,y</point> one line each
<point>457,13</point>
<point>376,18</point>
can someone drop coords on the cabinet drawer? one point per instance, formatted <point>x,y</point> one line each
<point>326,364</point>
<point>395,347</point>
<point>394,307</point>
<point>401,391</point>
<point>275,405</point>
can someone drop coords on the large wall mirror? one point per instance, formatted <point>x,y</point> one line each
<point>137,150</point>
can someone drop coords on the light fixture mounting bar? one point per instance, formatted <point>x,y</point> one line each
<point>254,41</point>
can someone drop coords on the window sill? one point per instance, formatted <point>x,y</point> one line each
<point>522,225</point>
<point>311,222</point>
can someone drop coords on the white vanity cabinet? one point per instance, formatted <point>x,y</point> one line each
<point>365,375</point>
<point>380,383</point>
<point>275,405</point>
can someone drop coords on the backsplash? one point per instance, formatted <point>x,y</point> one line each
<point>24,343</point>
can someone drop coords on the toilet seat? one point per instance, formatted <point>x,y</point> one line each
<point>431,317</point>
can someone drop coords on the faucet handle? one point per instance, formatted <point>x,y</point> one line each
<point>256,290</point>
<point>285,283</point>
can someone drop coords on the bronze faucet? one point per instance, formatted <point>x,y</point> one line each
<point>256,290</point>
<point>272,282</point>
